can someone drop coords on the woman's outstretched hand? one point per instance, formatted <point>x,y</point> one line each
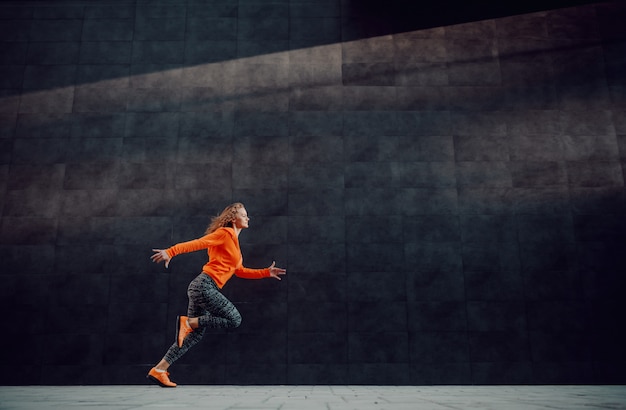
<point>276,272</point>
<point>159,256</point>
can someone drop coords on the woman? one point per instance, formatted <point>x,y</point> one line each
<point>208,307</point>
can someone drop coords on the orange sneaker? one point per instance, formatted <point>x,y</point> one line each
<point>182,329</point>
<point>160,378</point>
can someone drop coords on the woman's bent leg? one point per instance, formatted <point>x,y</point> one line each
<point>212,309</point>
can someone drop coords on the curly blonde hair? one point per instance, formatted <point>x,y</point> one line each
<point>224,219</point>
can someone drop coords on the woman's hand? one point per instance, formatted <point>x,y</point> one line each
<point>276,272</point>
<point>159,256</point>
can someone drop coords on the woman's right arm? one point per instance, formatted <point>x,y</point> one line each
<point>206,241</point>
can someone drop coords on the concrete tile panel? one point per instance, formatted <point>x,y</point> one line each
<point>534,174</point>
<point>49,76</point>
<point>209,51</point>
<point>374,257</point>
<point>437,316</point>
<point>522,26</point>
<point>590,148</point>
<point>14,53</point>
<point>83,353</point>
<point>499,346</point>
<point>270,348</point>
<point>543,255</point>
<point>274,373</point>
<point>16,30</point>
<point>374,229</point>
<point>90,175</point>
<point>536,148</point>
<point>117,11</point>
<point>149,317</point>
<point>307,8</point>
<point>316,201</point>
<point>261,124</point>
<point>438,257</point>
<point>370,123</point>
<point>28,260</point>
<point>316,348</point>
<point>108,29</point>
<point>267,28</point>
<point>378,373</point>
<point>540,200</point>
<point>312,258</point>
<point>314,74</point>
<point>434,374</point>
<point>44,125</point>
<point>421,98</point>
<point>366,287</point>
<point>216,28</point>
<point>533,122</point>
<point>157,29</point>
<point>56,30</point>
<point>101,100</point>
<point>438,347</point>
<point>313,372</point>
<point>368,74</point>
<point>490,257</point>
<point>595,174</point>
<point>485,201</point>
<point>316,98</point>
<point>575,98</point>
<point>483,316</point>
<point>104,76</point>
<point>588,122</point>
<point>153,100</point>
<point>421,74</point>
<point>158,52</point>
<point>484,174</point>
<point>9,102</point>
<point>314,123</point>
<point>320,287</point>
<point>321,29</point>
<point>480,148</point>
<point>34,176</point>
<point>494,286</point>
<point>378,347</point>
<point>427,123</point>
<point>513,372</point>
<point>600,227</point>
<point>263,50</point>
<point>314,176</point>
<point>432,228</point>
<point>156,75</point>
<point>154,125</point>
<point>105,52</point>
<point>39,151</point>
<point>51,101</point>
<point>53,53</point>
<point>368,50</point>
<point>328,317</point>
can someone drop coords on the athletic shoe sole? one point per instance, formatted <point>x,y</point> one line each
<point>157,381</point>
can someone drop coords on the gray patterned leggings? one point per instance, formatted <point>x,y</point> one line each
<point>212,309</point>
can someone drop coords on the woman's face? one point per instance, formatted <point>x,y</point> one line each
<point>241,218</point>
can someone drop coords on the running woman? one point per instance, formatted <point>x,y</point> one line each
<point>208,307</point>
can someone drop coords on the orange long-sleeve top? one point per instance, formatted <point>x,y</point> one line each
<point>225,258</point>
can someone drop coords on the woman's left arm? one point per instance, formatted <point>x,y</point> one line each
<point>271,272</point>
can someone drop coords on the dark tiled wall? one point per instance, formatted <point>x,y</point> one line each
<point>447,195</point>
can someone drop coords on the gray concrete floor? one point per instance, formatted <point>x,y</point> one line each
<point>315,397</point>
